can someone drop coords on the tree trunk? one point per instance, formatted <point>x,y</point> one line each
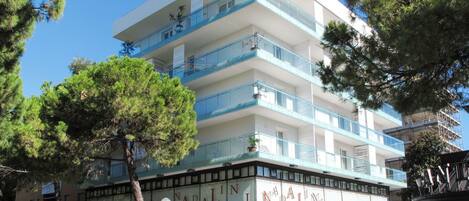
<point>129,160</point>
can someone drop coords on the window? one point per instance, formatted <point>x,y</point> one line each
<point>224,6</point>
<point>329,182</point>
<point>182,181</point>
<point>285,175</point>
<point>215,176</point>
<point>208,177</point>
<point>275,173</point>
<point>277,51</point>
<point>244,171</point>
<point>344,159</point>
<point>165,34</point>
<point>222,175</point>
<point>236,173</point>
<point>298,177</point>
<point>251,170</point>
<point>188,180</point>
<point>195,179</point>
<point>170,183</point>
<point>281,144</point>
<point>202,178</point>
<point>260,171</point>
<point>266,172</point>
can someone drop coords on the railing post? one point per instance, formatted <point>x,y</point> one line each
<point>255,41</point>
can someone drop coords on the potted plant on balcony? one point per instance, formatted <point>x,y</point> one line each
<point>253,141</point>
<point>178,18</point>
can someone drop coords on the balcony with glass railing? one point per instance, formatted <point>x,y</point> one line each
<point>391,113</point>
<point>262,94</point>
<point>201,65</point>
<point>294,11</point>
<point>388,109</point>
<point>212,12</point>
<point>271,148</point>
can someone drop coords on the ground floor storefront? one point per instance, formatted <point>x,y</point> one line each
<point>245,182</point>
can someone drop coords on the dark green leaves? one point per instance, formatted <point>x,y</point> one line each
<point>124,99</point>
<point>416,58</point>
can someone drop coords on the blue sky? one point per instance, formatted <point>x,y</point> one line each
<point>86,31</point>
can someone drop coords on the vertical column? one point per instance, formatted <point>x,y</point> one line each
<point>318,12</point>
<point>178,61</point>
<point>374,169</point>
<point>370,123</point>
<point>330,148</point>
<point>319,17</point>
<point>362,122</point>
<point>196,5</point>
<point>366,119</point>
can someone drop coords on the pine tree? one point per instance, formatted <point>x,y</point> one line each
<point>17,22</point>
<point>417,56</point>
<point>115,106</point>
<point>423,153</point>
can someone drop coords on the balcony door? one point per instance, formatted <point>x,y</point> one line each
<point>343,159</point>
<point>282,146</point>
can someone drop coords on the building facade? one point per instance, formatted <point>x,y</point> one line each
<point>52,191</point>
<point>444,122</point>
<point>267,129</point>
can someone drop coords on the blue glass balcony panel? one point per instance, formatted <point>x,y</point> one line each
<point>271,147</point>
<point>211,12</point>
<point>249,95</point>
<point>388,109</point>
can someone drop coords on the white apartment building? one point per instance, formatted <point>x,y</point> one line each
<point>252,65</point>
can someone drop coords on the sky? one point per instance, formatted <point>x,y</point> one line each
<point>85,30</point>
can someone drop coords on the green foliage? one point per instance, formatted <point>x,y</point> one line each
<point>423,153</point>
<point>109,107</point>
<point>20,147</point>
<point>123,100</point>
<point>79,64</point>
<point>417,56</point>
<point>17,22</point>
<point>253,141</point>
<point>128,48</point>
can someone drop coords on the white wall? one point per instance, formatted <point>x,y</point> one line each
<point>335,9</point>
<point>273,82</point>
<point>214,45</point>
<point>270,127</point>
<point>340,145</point>
<point>227,84</point>
<point>146,9</point>
<point>333,107</point>
<point>234,128</point>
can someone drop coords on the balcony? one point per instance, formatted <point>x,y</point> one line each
<point>392,114</point>
<point>263,95</point>
<point>271,149</point>
<point>276,60</point>
<point>388,109</point>
<point>239,51</point>
<point>212,12</point>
